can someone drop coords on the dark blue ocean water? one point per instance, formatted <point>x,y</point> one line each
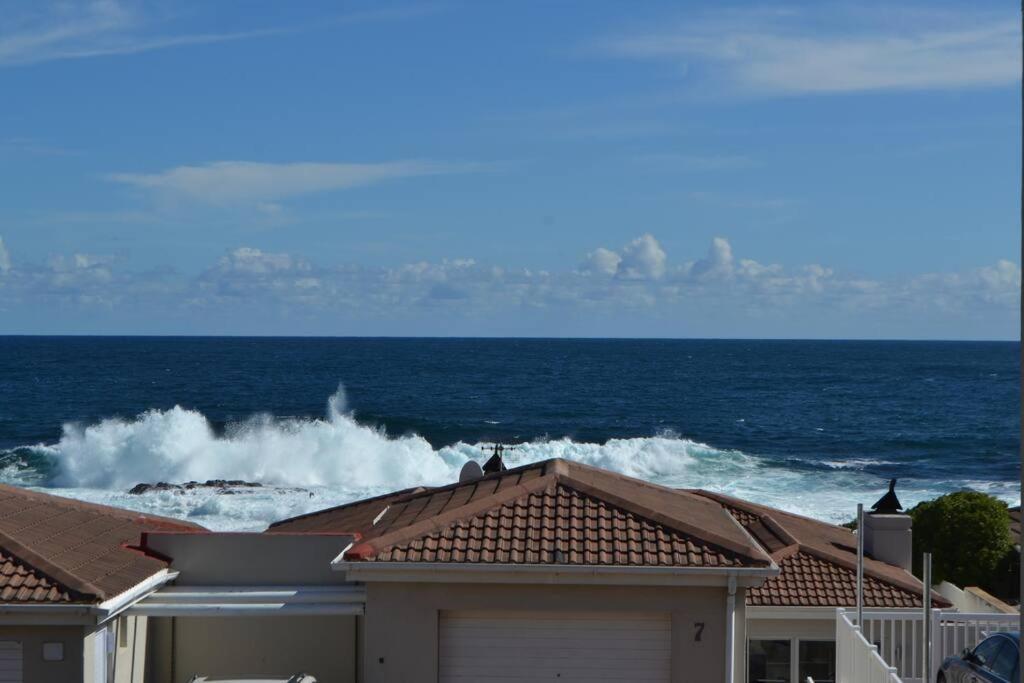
<point>837,415</point>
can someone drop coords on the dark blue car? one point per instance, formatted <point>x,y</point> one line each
<point>995,660</point>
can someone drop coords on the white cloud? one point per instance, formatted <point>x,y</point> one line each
<point>602,261</point>
<point>232,182</point>
<point>832,51</point>
<point>5,257</point>
<point>642,258</point>
<point>254,261</point>
<point>90,29</point>
<point>718,263</point>
<point>640,281</point>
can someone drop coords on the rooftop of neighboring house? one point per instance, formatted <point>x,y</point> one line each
<point>58,550</point>
<point>562,512</point>
<point>818,562</point>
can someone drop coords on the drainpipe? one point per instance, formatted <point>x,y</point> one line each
<point>730,630</point>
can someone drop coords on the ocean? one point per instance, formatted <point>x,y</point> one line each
<point>813,427</point>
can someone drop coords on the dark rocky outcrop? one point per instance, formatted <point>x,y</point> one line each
<point>221,486</point>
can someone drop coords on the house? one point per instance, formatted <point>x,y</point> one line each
<point>550,570</point>
<point>68,570</point>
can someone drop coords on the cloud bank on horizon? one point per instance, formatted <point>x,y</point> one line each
<point>262,292</point>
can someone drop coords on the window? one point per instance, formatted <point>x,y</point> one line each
<point>53,652</point>
<point>791,660</point>
<point>770,661</point>
<point>985,653</point>
<point>817,660</point>
<point>1006,660</point>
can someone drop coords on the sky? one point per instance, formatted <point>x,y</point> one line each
<point>552,169</point>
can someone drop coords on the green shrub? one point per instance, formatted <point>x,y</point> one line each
<point>968,535</point>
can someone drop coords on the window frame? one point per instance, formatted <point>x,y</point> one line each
<point>794,652</point>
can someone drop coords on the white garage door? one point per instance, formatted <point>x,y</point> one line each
<point>508,647</point>
<point>10,661</point>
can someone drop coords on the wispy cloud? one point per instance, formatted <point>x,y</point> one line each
<point>232,182</point>
<point>834,49</point>
<point>56,31</point>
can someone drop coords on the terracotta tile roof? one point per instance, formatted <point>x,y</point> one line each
<point>54,549</point>
<point>809,581</point>
<point>524,515</point>
<point>22,583</point>
<point>560,525</point>
<point>817,562</point>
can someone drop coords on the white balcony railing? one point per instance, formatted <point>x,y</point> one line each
<point>857,660</point>
<point>898,638</point>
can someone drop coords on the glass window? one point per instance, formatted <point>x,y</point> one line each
<point>769,661</point>
<point>817,660</point>
<point>1006,660</point>
<point>985,653</point>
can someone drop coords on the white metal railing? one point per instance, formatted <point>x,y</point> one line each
<point>899,637</point>
<point>857,660</point>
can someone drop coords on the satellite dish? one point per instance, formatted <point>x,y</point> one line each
<point>470,471</point>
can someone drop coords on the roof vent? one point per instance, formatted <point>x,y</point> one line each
<point>470,471</point>
<point>495,464</point>
<point>888,504</point>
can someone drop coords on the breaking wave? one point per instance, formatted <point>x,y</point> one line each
<point>306,464</point>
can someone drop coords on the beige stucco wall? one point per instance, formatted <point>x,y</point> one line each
<point>324,646</point>
<point>807,629</point>
<point>401,622</point>
<point>32,638</point>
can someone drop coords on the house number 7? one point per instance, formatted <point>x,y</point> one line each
<point>698,627</point>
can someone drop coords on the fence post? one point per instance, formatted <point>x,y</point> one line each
<point>926,605</point>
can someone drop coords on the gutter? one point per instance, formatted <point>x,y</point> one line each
<point>109,609</point>
<point>101,612</point>
<point>496,573</point>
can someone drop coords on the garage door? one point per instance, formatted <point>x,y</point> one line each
<point>10,661</point>
<point>507,647</point>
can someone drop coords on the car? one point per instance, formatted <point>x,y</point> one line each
<point>994,660</point>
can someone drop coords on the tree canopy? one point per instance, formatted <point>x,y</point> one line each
<point>968,534</point>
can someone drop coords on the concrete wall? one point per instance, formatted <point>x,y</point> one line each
<point>806,629</point>
<point>35,670</point>
<point>229,646</point>
<point>247,559</point>
<point>401,622</point>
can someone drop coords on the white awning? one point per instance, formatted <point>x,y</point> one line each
<point>228,601</point>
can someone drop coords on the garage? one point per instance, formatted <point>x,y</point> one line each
<point>531,646</point>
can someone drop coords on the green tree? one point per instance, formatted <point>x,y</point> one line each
<point>968,535</point>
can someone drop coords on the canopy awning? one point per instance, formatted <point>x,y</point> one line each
<point>229,601</point>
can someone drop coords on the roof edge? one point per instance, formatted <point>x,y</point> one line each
<point>51,570</point>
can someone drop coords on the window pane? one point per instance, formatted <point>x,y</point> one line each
<point>769,661</point>
<point>818,660</point>
<point>1006,659</point>
<point>987,650</point>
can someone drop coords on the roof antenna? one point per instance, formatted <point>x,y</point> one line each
<point>888,504</point>
<point>495,463</point>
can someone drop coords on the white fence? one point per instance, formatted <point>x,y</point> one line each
<point>899,637</point>
<point>857,660</point>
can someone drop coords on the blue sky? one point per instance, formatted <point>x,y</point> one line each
<point>540,169</point>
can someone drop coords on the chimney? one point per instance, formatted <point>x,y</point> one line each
<point>888,533</point>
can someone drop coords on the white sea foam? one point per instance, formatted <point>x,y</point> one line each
<point>307,464</point>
